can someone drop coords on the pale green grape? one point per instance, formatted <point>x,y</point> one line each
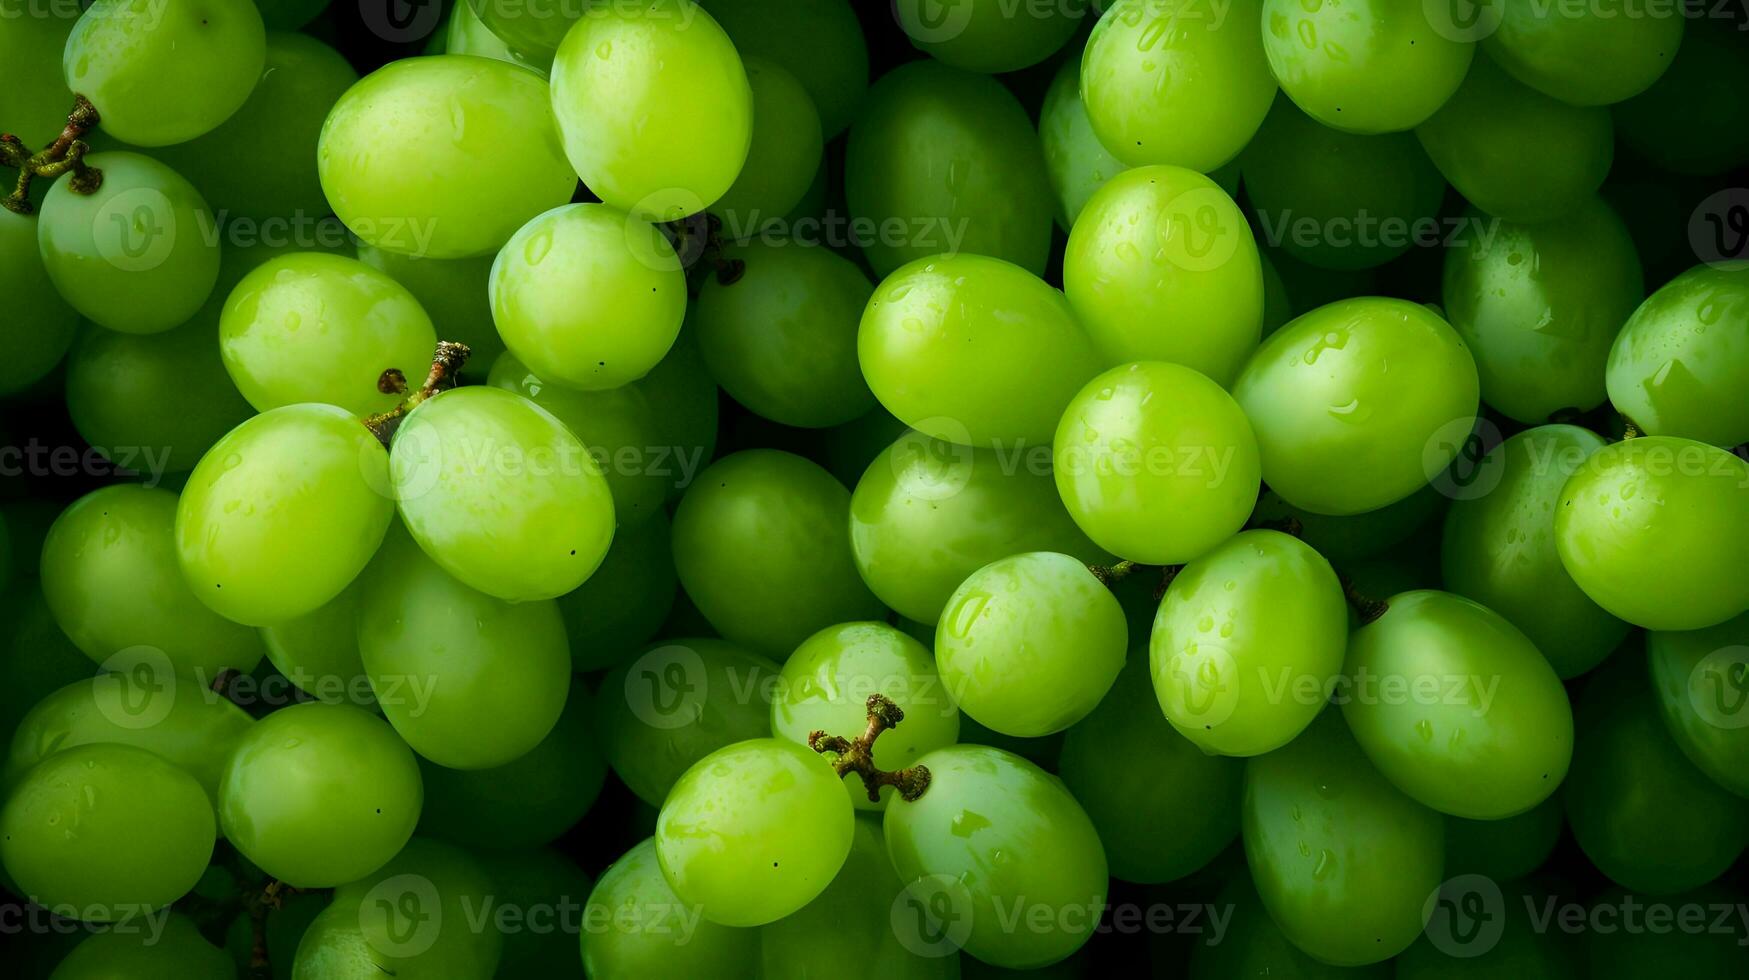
<point>533,28</point>
<point>956,846</point>
<point>1504,849</point>
<point>1364,66</point>
<point>760,546</point>
<point>1359,403</point>
<point>973,350</point>
<point>624,603</point>
<point>405,155</point>
<point>1654,530</point>
<point>654,107</point>
<point>285,510</point>
<point>318,652</point>
<point>781,339</point>
<point>1357,536</point>
<point>500,494</point>
<point>1248,643</point>
<point>110,575</point>
<point>1686,122</point>
<point>1342,860</point>
<point>318,795</point>
<point>642,941</point>
<point>819,41</point>
<point>454,293</point>
<point>1253,945</point>
<point>1699,680</point>
<point>1078,163</point>
<point>988,36</point>
<point>1156,463</point>
<point>538,880</point>
<point>944,161</point>
<point>106,831</point>
<point>1166,82</point>
<point>1586,55</point>
<point>1514,152</point>
<point>1681,365</point>
<point>175,950</point>
<point>40,325</point>
<point>1162,267</point>
<point>762,802</point>
<point>165,71</point>
<point>685,397</point>
<point>464,33</point>
<point>1540,304</point>
<point>35,100</point>
<point>782,158</point>
<point>1499,548</point>
<point>139,255</point>
<point>1029,644</point>
<point>470,681</point>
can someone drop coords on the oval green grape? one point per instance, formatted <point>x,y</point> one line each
<point>1680,364</point>
<point>1699,680</point>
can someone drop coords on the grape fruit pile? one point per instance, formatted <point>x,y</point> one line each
<point>830,490</point>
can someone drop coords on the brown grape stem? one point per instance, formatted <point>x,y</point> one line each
<point>1116,572</point>
<point>1366,608</point>
<point>1628,429</point>
<point>857,754</point>
<point>65,155</point>
<point>446,369</point>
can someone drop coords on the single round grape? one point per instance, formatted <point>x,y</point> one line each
<point>781,339</point>
<point>763,801</point>
<point>1687,123</point>
<point>1539,305</point>
<point>635,898</point>
<point>139,254</point>
<point>40,326</point>
<point>1359,403</point>
<point>1363,66</point>
<point>1252,945</point>
<point>944,161</point>
<point>1341,858</point>
<point>588,296</point>
<point>405,156</point>
<point>318,652</point>
<point>1504,849</point>
<point>1029,644</point>
<point>1516,153</point>
<point>1681,365</point>
<point>1078,163</point>
<point>1587,55</point>
<point>165,71</point>
<point>172,950</point>
<point>782,158</point>
<point>818,41</point>
<point>539,879</point>
<point>973,350</point>
<point>464,33</point>
<point>686,398</point>
<point>110,575</point>
<point>1156,463</point>
<point>955,848</point>
<point>989,36</point>
<point>286,510</point>
<point>104,832</point>
<point>532,28</point>
<point>1698,678</point>
<point>1499,548</point>
<point>1162,267</point>
<point>1654,530</point>
<point>318,795</point>
<point>624,603</point>
<point>454,293</point>
<point>35,100</point>
<point>1164,82</point>
<point>654,107</point>
<point>826,684</point>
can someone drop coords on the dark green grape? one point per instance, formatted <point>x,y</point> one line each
<point>175,950</point>
<point>35,100</point>
<point>1714,950</point>
<point>1699,679</point>
<point>624,603</point>
<point>819,41</point>
<point>41,325</point>
<point>319,652</point>
<point>1688,123</point>
<point>1504,849</point>
<point>686,398</point>
<point>1681,364</point>
<point>548,890</point>
<point>633,929</point>
<point>782,160</point>
<point>1356,536</point>
<point>36,658</point>
<point>1077,161</point>
<point>1254,946</point>
<point>1480,930</point>
<point>1586,55</point>
<point>988,35</point>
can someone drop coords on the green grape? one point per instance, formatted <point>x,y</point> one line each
<point>40,326</point>
<point>1254,685</point>
<point>470,681</point>
<point>956,846</point>
<point>36,658</point>
<point>630,934</point>
<point>1686,122</point>
<point>624,603</point>
<point>1503,849</point>
<point>318,795</point>
<point>110,575</point>
<point>826,684</point>
<point>464,33</point>
<point>973,350</point>
<point>1681,365</point>
<point>1363,66</point>
<point>286,510</point>
<point>1254,946</point>
<point>818,41</point>
<point>500,494</point>
<point>1358,404</point>
<point>1539,305</point>
<point>1156,463</point>
<point>740,808</point>
<point>318,652</point>
<point>1499,548</point>
<point>781,339</point>
<point>782,158</point>
<point>1516,153</point>
<point>35,99</point>
<point>654,107</point>
<point>1698,678</point>
<point>1357,536</point>
<point>105,832</point>
<point>1276,304</point>
<point>1639,809</point>
<point>139,254</point>
<point>1514,938</point>
<point>927,513</point>
<point>588,296</point>
<point>550,890</point>
<point>1588,55</point>
<point>404,155</point>
<point>1456,707</point>
<point>989,36</point>
<point>289,15</point>
<point>173,950</point>
<point>532,29</point>
<point>1162,267</point>
<point>1628,954</point>
<point>313,327</point>
<point>1078,163</point>
<point>944,161</point>
<point>1165,82</point>
<point>760,546</point>
<point>1654,530</point>
<point>165,71</point>
<point>1150,834</point>
<point>676,703</point>
<point>1342,860</point>
<point>848,450</point>
<point>453,292</point>
<point>681,388</point>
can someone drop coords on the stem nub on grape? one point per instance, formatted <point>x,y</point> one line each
<point>857,754</point>
<point>66,153</point>
<point>446,369</point>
